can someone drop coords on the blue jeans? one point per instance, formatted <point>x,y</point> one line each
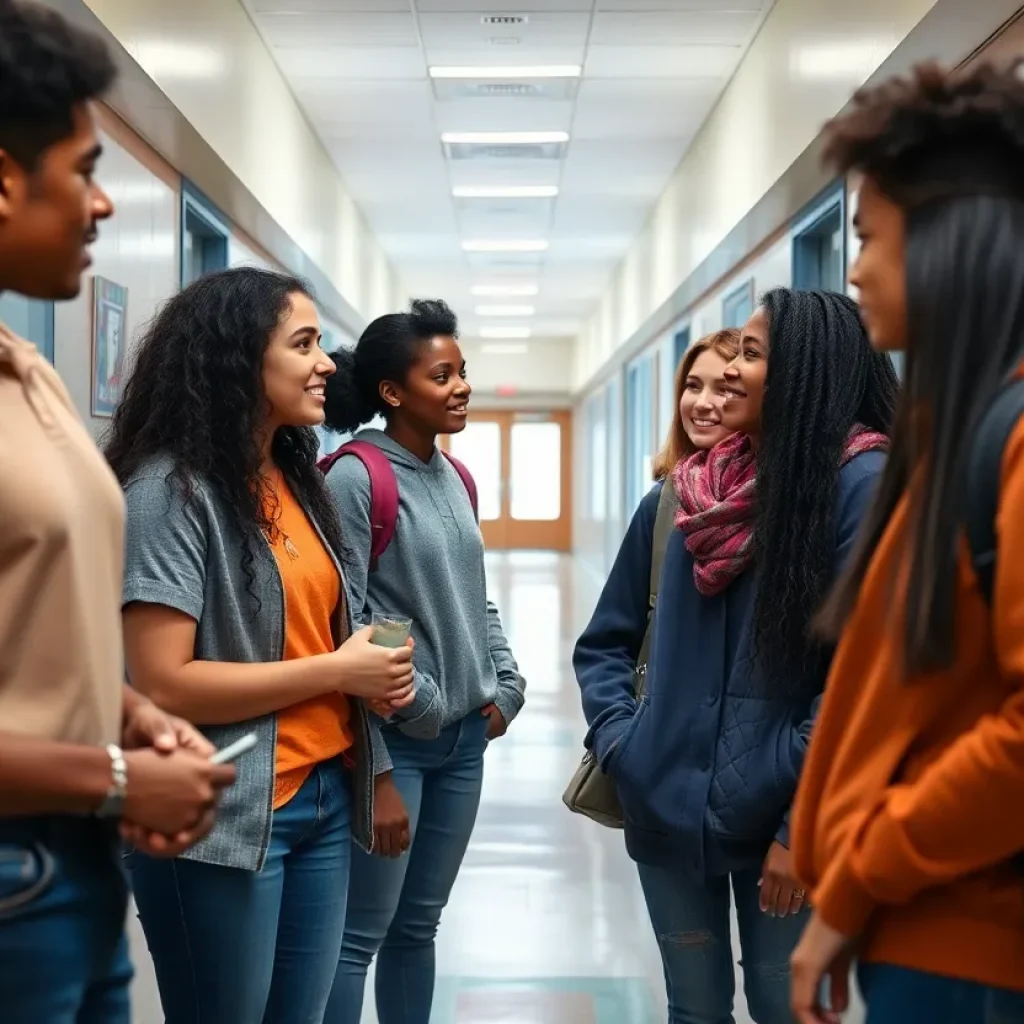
<point>692,925</point>
<point>247,946</point>
<point>899,995</point>
<point>395,904</point>
<point>63,896</point>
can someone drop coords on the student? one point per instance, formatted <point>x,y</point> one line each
<point>236,617</point>
<point>908,820</point>
<point>706,764</point>
<point>699,396</point>
<point>408,369</point>
<point>79,752</point>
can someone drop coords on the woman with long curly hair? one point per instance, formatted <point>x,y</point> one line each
<point>706,763</point>
<point>236,618</point>
<point>908,824</point>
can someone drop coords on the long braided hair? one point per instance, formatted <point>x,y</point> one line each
<point>823,378</point>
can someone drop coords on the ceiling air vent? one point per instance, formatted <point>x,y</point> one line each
<point>497,151</point>
<point>557,89</point>
<point>504,20</point>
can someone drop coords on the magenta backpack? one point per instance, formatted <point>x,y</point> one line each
<point>384,491</point>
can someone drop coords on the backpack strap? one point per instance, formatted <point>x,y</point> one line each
<point>984,474</point>
<point>664,523</point>
<point>467,480</point>
<point>383,493</point>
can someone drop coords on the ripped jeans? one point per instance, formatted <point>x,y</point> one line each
<point>692,924</point>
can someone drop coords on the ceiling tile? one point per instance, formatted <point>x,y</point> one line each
<point>661,61</point>
<point>368,64</point>
<point>681,28</point>
<point>325,6</point>
<point>654,6</point>
<point>347,30</point>
<point>502,6</point>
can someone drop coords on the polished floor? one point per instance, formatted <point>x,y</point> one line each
<point>546,924</point>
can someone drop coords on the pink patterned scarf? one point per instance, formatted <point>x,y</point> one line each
<point>716,505</point>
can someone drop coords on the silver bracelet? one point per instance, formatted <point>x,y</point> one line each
<point>113,802</point>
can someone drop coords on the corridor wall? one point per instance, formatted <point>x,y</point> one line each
<point>137,249</point>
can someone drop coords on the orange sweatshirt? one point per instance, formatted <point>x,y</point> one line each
<point>911,805</point>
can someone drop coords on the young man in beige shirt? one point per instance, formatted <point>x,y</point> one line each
<point>82,756</point>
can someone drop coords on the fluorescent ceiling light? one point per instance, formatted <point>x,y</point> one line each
<point>504,350</point>
<point>504,311</point>
<point>505,191</point>
<point>505,332</point>
<point>503,138</point>
<point>514,245</point>
<point>507,291</point>
<point>509,72</point>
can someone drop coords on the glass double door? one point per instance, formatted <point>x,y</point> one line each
<point>521,462</point>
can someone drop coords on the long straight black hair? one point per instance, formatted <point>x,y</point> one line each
<point>965,337</point>
<point>948,148</point>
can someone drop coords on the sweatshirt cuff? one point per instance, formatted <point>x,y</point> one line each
<point>378,746</point>
<point>509,701</point>
<point>841,900</point>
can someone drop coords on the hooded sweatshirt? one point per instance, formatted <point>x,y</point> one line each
<point>432,572</point>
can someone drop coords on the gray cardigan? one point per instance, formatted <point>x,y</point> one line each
<point>187,555</point>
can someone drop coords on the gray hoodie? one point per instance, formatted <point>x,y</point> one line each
<point>432,572</point>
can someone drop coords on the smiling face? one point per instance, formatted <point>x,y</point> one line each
<point>879,273</point>
<point>49,214</point>
<point>434,397</point>
<point>295,368</point>
<point>745,378</point>
<point>700,406</point>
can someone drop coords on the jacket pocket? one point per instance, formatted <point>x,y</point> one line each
<point>619,752</point>
<point>26,873</point>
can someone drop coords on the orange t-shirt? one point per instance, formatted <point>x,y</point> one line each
<point>314,730</point>
<point>907,824</point>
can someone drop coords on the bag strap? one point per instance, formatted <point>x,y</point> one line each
<point>467,480</point>
<point>984,474</point>
<point>383,493</point>
<point>664,523</point>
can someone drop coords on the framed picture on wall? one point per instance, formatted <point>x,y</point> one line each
<point>109,342</point>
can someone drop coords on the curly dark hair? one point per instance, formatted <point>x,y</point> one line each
<point>823,378</point>
<point>385,352</point>
<point>196,394</point>
<point>948,148</point>
<point>47,68</point>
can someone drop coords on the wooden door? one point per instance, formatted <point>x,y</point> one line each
<point>522,463</point>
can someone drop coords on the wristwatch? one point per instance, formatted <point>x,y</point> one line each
<point>113,802</point>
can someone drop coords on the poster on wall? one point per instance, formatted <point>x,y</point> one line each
<point>109,340</point>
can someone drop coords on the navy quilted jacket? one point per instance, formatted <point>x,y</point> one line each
<point>707,764</point>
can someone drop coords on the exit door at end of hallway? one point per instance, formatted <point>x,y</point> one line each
<point>522,465</point>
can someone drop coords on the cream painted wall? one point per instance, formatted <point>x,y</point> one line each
<point>807,61</point>
<point>138,249</point>
<point>207,56</point>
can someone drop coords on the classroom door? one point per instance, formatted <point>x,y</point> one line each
<point>522,464</point>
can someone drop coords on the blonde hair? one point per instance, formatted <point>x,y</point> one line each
<point>725,343</point>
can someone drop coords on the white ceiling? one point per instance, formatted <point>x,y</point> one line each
<point>652,71</point>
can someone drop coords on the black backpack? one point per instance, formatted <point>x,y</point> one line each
<point>984,472</point>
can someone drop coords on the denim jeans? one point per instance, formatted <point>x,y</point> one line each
<point>247,946</point>
<point>899,995</point>
<point>63,896</point>
<point>692,925</point>
<point>395,904</point>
